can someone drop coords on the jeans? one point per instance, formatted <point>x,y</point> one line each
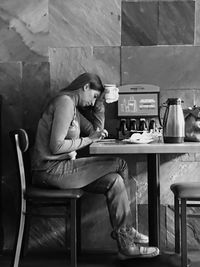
<point>100,175</point>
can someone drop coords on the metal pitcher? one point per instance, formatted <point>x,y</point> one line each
<point>173,122</point>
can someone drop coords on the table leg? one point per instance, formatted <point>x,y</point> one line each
<point>153,176</point>
<point>165,259</point>
<point>1,219</point>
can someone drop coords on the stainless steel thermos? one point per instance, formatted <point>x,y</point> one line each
<point>173,122</point>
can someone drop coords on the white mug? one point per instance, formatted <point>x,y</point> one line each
<point>111,93</point>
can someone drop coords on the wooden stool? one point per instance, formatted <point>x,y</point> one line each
<point>183,192</point>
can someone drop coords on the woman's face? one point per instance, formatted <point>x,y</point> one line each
<point>89,96</point>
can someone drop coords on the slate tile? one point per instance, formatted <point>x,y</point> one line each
<point>139,23</point>
<point>35,91</point>
<point>98,22</point>
<point>12,111</point>
<point>107,63</point>
<point>176,22</point>
<point>197,97</point>
<point>197,23</point>
<point>170,67</point>
<point>24,30</point>
<point>10,80</point>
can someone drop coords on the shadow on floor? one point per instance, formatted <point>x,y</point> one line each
<point>60,259</point>
<point>164,260</point>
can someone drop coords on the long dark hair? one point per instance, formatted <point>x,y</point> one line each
<point>92,79</point>
<point>86,78</point>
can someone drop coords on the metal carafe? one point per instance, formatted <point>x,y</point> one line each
<point>173,122</point>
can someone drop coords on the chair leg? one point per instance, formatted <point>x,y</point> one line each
<point>176,225</point>
<point>26,235</point>
<point>19,237</point>
<point>67,218</point>
<point>73,231</point>
<point>183,234</point>
<point>78,216</point>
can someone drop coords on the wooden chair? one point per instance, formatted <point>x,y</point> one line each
<point>31,197</point>
<point>184,192</point>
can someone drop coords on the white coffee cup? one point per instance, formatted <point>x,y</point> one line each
<point>111,93</point>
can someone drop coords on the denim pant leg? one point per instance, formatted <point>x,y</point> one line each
<point>80,172</point>
<point>102,175</point>
<point>113,187</point>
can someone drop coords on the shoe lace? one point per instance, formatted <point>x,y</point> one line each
<point>132,232</point>
<point>125,238</point>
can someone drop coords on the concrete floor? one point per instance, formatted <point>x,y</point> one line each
<point>59,259</point>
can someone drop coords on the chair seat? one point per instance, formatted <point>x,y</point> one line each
<point>186,190</point>
<point>36,192</point>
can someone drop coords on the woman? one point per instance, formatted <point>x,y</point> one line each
<point>72,120</point>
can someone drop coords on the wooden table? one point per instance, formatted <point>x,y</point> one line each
<point>153,151</point>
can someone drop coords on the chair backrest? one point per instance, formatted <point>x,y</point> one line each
<point>20,142</point>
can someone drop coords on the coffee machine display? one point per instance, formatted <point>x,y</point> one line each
<point>137,109</point>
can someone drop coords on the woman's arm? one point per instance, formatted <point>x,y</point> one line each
<point>99,114</point>
<point>93,118</point>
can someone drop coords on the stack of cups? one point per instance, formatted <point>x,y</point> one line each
<point>111,93</point>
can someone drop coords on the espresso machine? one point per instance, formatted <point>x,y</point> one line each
<point>138,109</point>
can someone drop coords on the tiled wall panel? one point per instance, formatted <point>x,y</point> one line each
<point>149,23</point>
<point>12,110</point>
<point>35,91</point>
<point>197,22</point>
<point>176,22</point>
<point>23,30</point>
<point>12,117</point>
<point>84,22</point>
<point>139,23</point>
<point>170,67</point>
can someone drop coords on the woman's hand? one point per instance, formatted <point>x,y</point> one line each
<point>98,135</point>
<point>102,96</point>
<point>72,155</point>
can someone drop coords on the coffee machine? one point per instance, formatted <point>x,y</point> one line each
<point>138,107</point>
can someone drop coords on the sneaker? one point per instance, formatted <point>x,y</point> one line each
<point>139,252</point>
<point>137,237</point>
<point>129,249</point>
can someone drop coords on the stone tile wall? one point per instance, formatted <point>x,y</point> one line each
<point>44,44</point>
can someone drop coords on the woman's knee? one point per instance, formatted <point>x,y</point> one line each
<point>118,183</point>
<point>122,168</point>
